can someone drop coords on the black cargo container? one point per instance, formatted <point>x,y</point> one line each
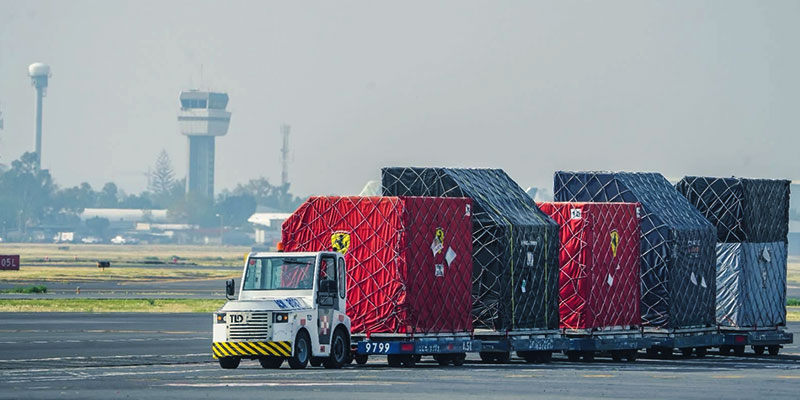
<point>515,245</point>
<point>752,220</point>
<point>677,244</point>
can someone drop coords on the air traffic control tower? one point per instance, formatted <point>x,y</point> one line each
<point>202,117</point>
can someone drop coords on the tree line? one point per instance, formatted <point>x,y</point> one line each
<point>29,198</point>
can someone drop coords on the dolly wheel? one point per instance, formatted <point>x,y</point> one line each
<point>588,356</point>
<point>616,355</point>
<point>738,350</point>
<point>700,351</point>
<point>686,351</point>
<point>774,349</point>
<point>361,359</point>
<point>442,359</point>
<point>630,355</point>
<point>458,359</point>
<point>759,350</point>
<point>573,356</point>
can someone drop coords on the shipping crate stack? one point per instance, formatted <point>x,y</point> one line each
<point>752,221</point>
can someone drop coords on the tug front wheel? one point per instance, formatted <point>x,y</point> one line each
<point>302,351</point>
<point>229,362</point>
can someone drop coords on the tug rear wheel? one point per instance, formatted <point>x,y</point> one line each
<point>229,362</point>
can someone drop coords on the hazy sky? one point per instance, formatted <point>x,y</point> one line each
<point>686,87</point>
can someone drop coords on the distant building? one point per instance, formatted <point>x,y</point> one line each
<point>267,226</point>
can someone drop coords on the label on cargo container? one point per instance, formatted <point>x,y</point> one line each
<point>614,242</point>
<point>10,263</point>
<point>693,279</point>
<point>529,261</point>
<point>610,280</point>
<point>575,213</point>
<point>439,270</point>
<point>438,241</point>
<point>703,282</point>
<point>693,248</point>
<point>450,255</point>
<point>765,255</point>
<point>340,241</point>
<point>467,210</point>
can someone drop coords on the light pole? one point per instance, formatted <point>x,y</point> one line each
<point>221,228</point>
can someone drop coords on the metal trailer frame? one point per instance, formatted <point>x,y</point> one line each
<point>689,340</point>
<point>759,339</point>
<point>533,345</point>
<point>615,342</point>
<point>407,349</point>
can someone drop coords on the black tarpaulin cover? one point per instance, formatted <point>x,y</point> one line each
<point>751,284</point>
<point>514,244</point>
<point>743,210</point>
<point>677,244</point>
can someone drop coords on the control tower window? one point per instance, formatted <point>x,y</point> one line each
<point>193,103</point>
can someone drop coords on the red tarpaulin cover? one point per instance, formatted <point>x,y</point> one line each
<point>599,259</point>
<point>409,259</point>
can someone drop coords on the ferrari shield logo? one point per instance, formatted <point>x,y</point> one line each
<point>340,242</point>
<point>614,242</point>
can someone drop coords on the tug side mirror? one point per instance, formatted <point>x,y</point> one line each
<point>230,289</point>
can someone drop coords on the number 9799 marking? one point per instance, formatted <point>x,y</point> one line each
<point>377,348</point>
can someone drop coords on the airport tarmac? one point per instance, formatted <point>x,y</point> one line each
<point>93,356</point>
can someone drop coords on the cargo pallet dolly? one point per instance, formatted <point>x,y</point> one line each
<point>696,340</point>
<point>759,339</point>
<point>407,350</point>
<point>616,343</point>
<point>531,345</point>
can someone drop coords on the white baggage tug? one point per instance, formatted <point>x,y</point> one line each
<point>290,307</point>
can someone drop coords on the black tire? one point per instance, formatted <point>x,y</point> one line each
<point>458,359</point>
<point>503,357</point>
<point>443,359</point>
<point>573,356</point>
<point>652,352</point>
<point>229,362</point>
<point>302,351</point>
<point>725,350</point>
<point>545,356</point>
<point>487,357</point>
<point>759,350</point>
<point>631,355</point>
<point>686,352</point>
<point>616,355</point>
<point>361,359</point>
<point>700,352</point>
<point>270,362</point>
<point>409,361</point>
<point>394,360</point>
<point>774,349</point>
<point>738,350</point>
<point>588,356</point>
<point>666,353</point>
<point>340,345</point>
<point>315,361</point>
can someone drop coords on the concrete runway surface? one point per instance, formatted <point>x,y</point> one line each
<point>102,356</point>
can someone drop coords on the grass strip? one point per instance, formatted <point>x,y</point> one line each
<point>81,274</point>
<point>26,289</point>
<point>792,302</point>
<point>793,314</point>
<point>111,305</point>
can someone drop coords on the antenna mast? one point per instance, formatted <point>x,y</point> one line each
<point>285,129</point>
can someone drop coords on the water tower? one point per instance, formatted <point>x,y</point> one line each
<point>39,73</point>
<point>202,118</point>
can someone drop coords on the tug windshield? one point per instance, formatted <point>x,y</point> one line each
<point>279,273</point>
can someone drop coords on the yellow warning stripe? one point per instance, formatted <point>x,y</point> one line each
<point>228,349</point>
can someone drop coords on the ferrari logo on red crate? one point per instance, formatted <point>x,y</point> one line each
<point>340,242</point>
<point>614,242</point>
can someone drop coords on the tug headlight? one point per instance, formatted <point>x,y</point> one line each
<point>281,317</point>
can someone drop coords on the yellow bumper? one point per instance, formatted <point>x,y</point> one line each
<point>228,349</point>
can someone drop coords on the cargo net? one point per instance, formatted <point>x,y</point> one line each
<point>677,244</point>
<point>398,281</point>
<point>599,259</point>
<point>743,210</point>
<point>514,245</point>
<point>751,285</point>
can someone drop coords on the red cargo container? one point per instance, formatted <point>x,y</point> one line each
<point>409,259</point>
<point>599,259</point>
